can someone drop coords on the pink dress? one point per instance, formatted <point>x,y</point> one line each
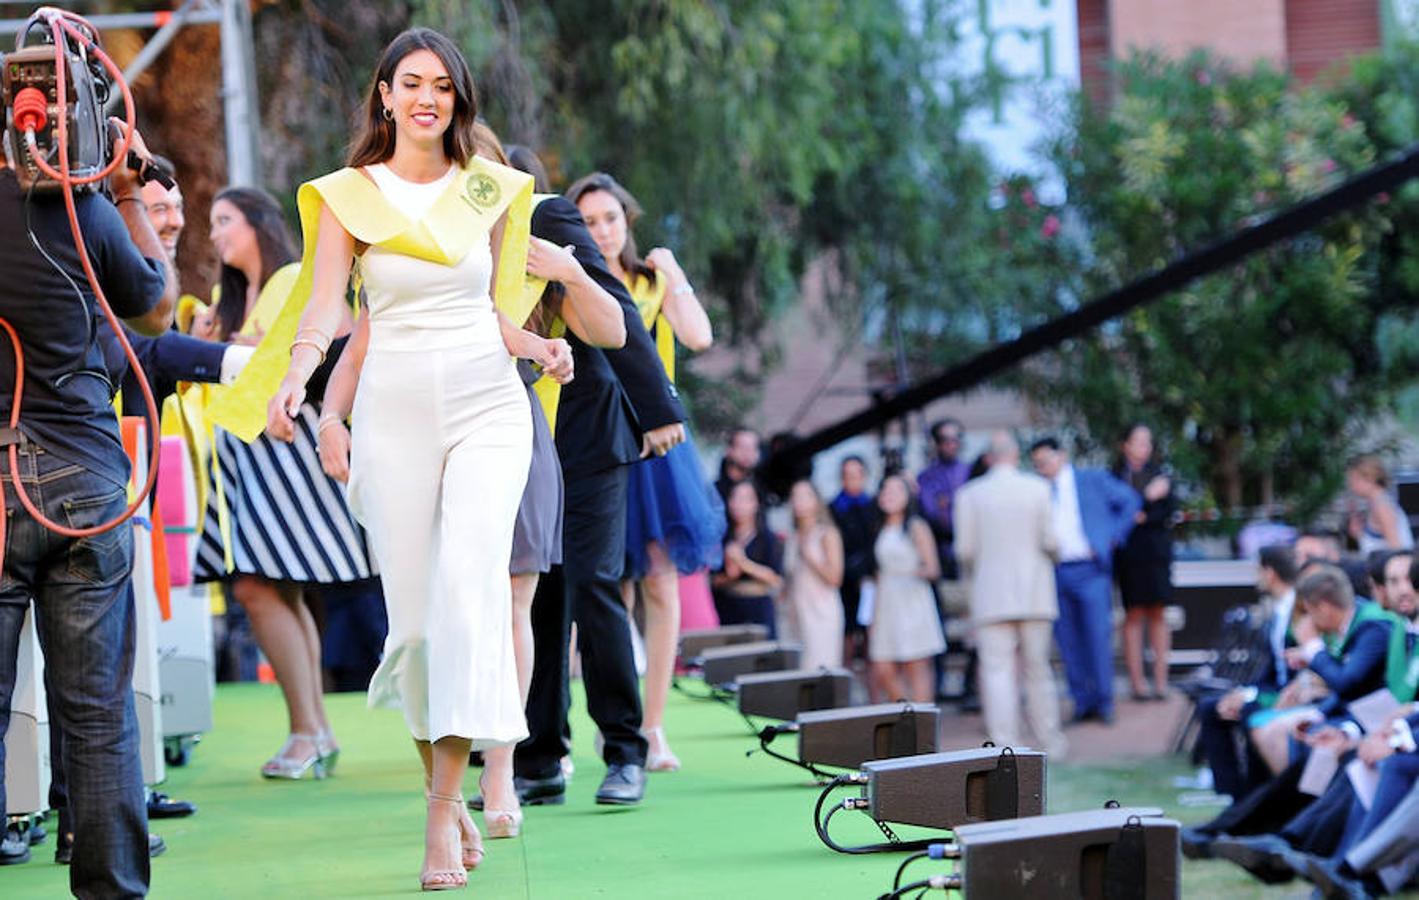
<point>696,602</point>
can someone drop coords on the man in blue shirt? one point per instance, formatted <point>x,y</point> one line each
<point>72,465</point>
<point>1093,513</point>
<point>937,486</point>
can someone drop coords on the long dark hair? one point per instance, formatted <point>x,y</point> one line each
<point>273,240</point>
<point>599,181</point>
<point>375,141</point>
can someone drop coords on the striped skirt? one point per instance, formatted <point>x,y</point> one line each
<point>286,519</point>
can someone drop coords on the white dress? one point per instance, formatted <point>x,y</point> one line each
<point>905,625</point>
<point>440,451</point>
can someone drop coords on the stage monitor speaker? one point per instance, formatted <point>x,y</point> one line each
<point>721,665</point>
<point>694,643</point>
<point>783,695</point>
<point>1106,854</point>
<point>850,737</point>
<point>960,787</point>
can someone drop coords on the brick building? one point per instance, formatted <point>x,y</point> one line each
<point>1304,36</point>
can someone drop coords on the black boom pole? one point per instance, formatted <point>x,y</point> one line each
<point>1216,256</point>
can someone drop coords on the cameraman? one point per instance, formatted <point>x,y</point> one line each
<point>73,467</point>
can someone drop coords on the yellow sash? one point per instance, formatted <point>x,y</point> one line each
<point>188,307</point>
<point>650,300</point>
<point>197,403</point>
<point>549,393</point>
<point>464,214</point>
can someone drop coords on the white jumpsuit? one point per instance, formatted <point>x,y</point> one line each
<point>439,457</point>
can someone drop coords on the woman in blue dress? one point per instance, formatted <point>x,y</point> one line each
<point>675,518</point>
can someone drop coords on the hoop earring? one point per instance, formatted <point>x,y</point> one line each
<point>388,114</point>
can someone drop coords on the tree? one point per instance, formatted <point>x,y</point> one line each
<point>1260,377</point>
<point>758,134</point>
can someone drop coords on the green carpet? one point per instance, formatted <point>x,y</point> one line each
<point>726,826</point>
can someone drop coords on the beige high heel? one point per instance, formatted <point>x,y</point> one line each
<point>661,758</point>
<point>443,879</point>
<point>501,823</point>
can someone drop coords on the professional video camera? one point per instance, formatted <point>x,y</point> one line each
<point>29,90</point>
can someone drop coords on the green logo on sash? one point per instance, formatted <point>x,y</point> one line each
<point>481,192</point>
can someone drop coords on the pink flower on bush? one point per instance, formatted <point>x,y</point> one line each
<point>1203,77</point>
<point>1027,196</point>
<point>1050,227</point>
<point>1347,121</point>
<point>1328,166</point>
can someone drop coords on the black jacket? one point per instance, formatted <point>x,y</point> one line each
<point>617,395</point>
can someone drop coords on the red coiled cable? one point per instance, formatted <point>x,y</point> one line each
<point>29,119</point>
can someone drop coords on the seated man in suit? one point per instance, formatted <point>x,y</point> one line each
<point>1093,512</point>
<point>1330,826</point>
<point>1378,847</point>
<point>1343,641</point>
<point>1378,850</point>
<point>1222,715</point>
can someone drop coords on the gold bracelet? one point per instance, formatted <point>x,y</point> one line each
<point>329,338</point>
<point>309,343</point>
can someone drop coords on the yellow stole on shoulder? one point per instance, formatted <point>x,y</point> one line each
<point>548,392</point>
<point>649,296</point>
<point>464,214</point>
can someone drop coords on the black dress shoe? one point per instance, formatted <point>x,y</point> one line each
<point>1266,856</point>
<point>13,851</point>
<point>161,806</point>
<point>1197,844</point>
<point>533,792</point>
<point>1079,718</point>
<point>1336,880</point>
<point>624,785</point>
<point>64,847</point>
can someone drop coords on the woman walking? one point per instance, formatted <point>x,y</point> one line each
<point>442,433</point>
<point>675,519</point>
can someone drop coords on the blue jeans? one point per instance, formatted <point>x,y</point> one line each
<point>84,619</point>
<point>1083,631</point>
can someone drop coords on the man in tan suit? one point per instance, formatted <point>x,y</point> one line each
<point>1006,544</point>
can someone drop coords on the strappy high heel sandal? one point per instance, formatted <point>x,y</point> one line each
<point>328,750</point>
<point>285,768</point>
<point>660,758</point>
<point>501,823</point>
<point>444,879</point>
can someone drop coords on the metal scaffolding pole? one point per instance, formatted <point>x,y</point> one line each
<point>239,94</point>
<point>129,20</point>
